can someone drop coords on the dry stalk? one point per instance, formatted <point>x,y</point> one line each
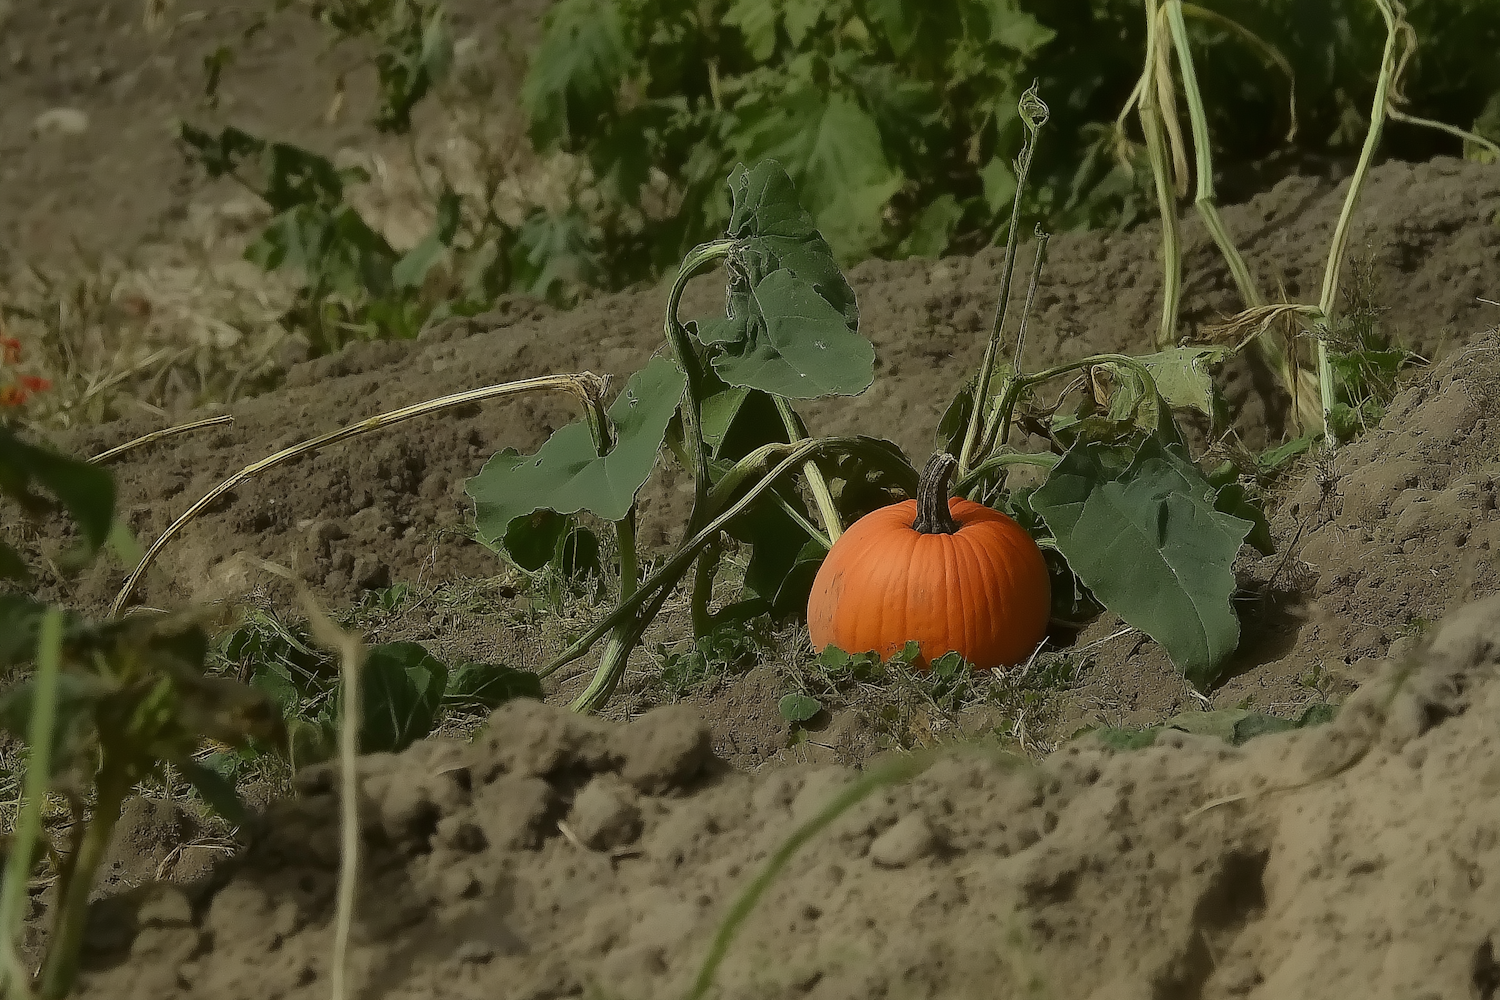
<point>587,386</point>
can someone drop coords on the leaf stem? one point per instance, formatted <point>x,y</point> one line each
<point>687,359</point>
<point>1356,186</point>
<point>77,882</point>
<point>1034,115</point>
<point>28,827</point>
<point>797,431</point>
<point>585,385</point>
<point>1156,149</point>
<point>655,587</point>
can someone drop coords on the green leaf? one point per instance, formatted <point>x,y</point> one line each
<point>577,553</point>
<point>798,708</point>
<point>552,253</point>
<point>1235,500</point>
<point>1274,458</point>
<point>1148,542</point>
<point>800,346</point>
<point>489,685</point>
<point>575,71</point>
<point>531,541</point>
<point>832,148</point>
<point>86,491</point>
<point>567,475</point>
<point>756,21</point>
<point>934,228</point>
<point>403,689</point>
<point>999,186</point>
<point>1014,28</point>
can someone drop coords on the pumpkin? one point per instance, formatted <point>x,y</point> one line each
<point>949,573</point>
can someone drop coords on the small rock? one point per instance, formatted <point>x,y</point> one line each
<point>663,749</point>
<point>61,121</point>
<point>910,840</point>
<point>370,573</point>
<point>474,952</point>
<point>604,815</point>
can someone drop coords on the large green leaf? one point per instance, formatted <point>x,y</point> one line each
<point>575,71</point>
<point>403,688</point>
<point>1149,543</point>
<point>567,474</point>
<point>800,346</point>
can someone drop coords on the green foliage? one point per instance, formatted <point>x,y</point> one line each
<point>731,646</point>
<point>1234,726</point>
<point>1151,511</point>
<point>893,117</point>
<point>407,691</point>
<point>568,474</point>
<point>798,708</point>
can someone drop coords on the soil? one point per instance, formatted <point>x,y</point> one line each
<point>558,856</point>
<point>564,856</point>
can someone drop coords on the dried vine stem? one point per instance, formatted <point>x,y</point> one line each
<point>165,432</point>
<point>587,386</point>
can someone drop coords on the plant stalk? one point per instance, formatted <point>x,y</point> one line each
<point>1341,231</point>
<point>598,421</point>
<point>585,385</point>
<point>656,586</point>
<point>797,431</point>
<point>28,830</point>
<point>1156,149</point>
<point>1034,115</point>
<point>60,969</point>
<point>997,428</point>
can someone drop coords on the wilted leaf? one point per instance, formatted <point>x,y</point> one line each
<point>567,475</point>
<point>1148,542</point>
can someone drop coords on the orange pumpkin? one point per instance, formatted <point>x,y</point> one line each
<point>949,573</point>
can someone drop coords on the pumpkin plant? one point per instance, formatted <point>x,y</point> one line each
<point>1128,519</point>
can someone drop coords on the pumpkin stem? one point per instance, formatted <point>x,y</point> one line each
<point>933,516</point>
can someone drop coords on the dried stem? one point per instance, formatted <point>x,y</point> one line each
<point>586,385</point>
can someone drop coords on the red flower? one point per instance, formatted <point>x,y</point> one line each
<point>12,350</point>
<point>35,383</point>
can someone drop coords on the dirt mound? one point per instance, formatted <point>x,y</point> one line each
<point>561,856</point>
